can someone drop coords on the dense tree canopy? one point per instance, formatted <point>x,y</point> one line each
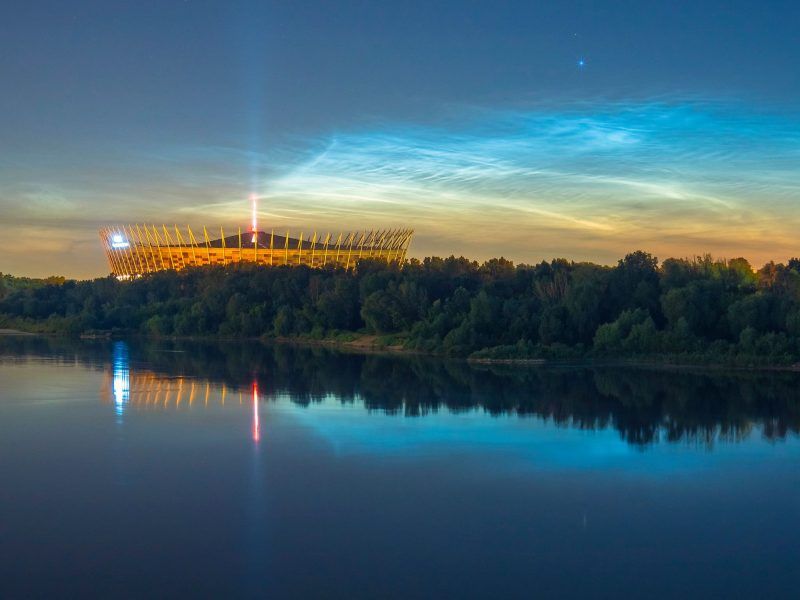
<point>702,307</point>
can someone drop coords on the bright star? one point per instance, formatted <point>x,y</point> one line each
<point>581,63</point>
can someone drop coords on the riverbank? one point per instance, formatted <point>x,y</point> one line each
<point>366,343</point>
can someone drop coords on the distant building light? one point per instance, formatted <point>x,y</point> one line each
<point>117,241</point>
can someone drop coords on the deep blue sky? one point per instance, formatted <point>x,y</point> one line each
<point>133,111</point>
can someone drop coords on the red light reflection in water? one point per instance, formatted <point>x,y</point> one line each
<point>256,426</point>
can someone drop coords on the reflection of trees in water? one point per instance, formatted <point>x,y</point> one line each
<point>644,405</point>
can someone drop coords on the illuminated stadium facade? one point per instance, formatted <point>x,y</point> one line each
<point>135,250</point>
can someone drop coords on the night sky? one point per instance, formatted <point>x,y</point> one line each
<point>526,129</point>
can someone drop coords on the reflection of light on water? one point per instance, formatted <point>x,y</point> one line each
<point>121,384</point>
<point>256,427</point>
<point>140,389</point>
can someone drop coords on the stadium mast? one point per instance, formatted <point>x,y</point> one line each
<point>254,202</point>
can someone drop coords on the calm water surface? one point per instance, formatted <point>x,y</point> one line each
<point>132,469</point>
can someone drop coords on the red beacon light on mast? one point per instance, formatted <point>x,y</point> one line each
<point>254,203</point>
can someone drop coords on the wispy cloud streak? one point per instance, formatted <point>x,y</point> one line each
<point>600,180</point>
<point>584,182</point>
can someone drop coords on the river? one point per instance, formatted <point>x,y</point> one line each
<point>152,469</point>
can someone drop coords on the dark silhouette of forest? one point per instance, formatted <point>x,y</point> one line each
<point>644,406</point>
<point>701,309</point>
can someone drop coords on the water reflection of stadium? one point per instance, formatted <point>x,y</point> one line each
<point>643,406</point>
<point>145,389</point>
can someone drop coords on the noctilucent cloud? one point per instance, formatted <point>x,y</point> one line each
<point>582,130</point>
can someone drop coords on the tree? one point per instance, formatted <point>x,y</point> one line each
<point>634,283</point>
<point>283,321</point>
<point>382,312</point>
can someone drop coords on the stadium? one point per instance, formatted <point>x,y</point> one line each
<point>134,250</point>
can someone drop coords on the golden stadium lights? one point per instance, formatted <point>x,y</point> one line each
<point>134,250</point>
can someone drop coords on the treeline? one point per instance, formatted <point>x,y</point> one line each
<point>9,283</point>
<point>701,308</point>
